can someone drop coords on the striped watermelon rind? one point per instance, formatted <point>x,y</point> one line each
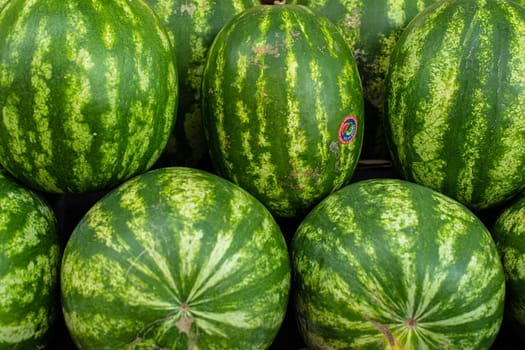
<point>29,267</point>
<point>175,258</point>
<point>87,92</point>
<point>192,26</point>
<point>386,263</point>
<point>283,106</point>
<point>455,101</point>
<point>508,231</point>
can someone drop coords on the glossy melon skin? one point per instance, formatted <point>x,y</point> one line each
<point>389,264</point>
<point>29,267</point>
<point>175,258</point>
<point>455,104</point>
<point>87,92</point>
<point>508,231</point>
<point>283,106</point>
<point>192,26</point>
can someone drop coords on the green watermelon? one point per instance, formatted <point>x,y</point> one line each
<point>371,28</point>
<point>389,264</point>
<point>29,264</point>
<point>455,101</point>
<point>283,106</point>
<point>175,258</point>
<point>87,92</point>
<point>508,231</point>
<point>192,26</point>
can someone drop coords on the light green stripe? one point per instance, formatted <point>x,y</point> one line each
<point>476,271</point>
<point>109,119</point>
<point>421,4</point>
<point>477,125</point>
<point>190,244</point>
<point>143,62</point>
<point>165,9</point>
<point>505,165</point>
<point>216,94</point>
<point>221,263</point>
<point>155,264</point>
<point>108,36</point>
<point>239,5</point>
<point>163,35</point>
<point>130,287</point>
<point>33,326</point>
<point>18,290</point>
<point>78,94</point>
<point>242,111</point>
<point>201,18</point>
<point>91,326</point>
<point>351,24</point>
<point>338,289</point>
<point>264,168</point>
<point>395,10</point>
<point>41,74</point>
<point>328,36</point>
<point>11,119</point>
<point>433,112</point>
<point>81,278</point>
<point>483,310</point>
<point>399,222</point>
<point>242,67</point>
<point>100,222</point>
<point>133,201</point>
<point>475,131</point>
<point>209,273</point>
<point>25,237</point>
<point>129,16</point>
<point>321,116</point>
<point>239,319</point>
<point>91,278</point>
<point>10,113</point>
<point>188,9</point>
<point>294,128</point>
<point>18,285</point>
<point>514,262</point>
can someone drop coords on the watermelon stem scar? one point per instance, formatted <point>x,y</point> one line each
<point>184,307</point>
<point>411,323</point>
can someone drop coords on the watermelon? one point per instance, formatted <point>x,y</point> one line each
<point>389,264</point>
<point>29,264</point>
<point>508,231</point>
<point>283,106</point>
<point>371,28</point>
<point>192,26</point>
<point>87,92</point>
<point>175,258</point>
<point>455,101</point>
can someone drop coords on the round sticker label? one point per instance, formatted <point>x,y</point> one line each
<point>347,129</point>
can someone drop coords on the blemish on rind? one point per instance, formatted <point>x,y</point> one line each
<point>384,330</point>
